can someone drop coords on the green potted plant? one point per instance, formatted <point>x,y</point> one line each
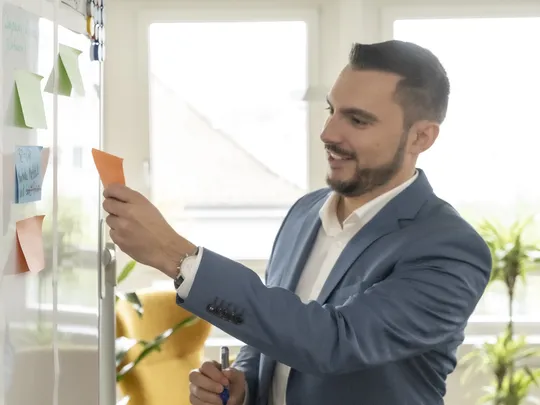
<point>124,344</point>
<point>505,359</point>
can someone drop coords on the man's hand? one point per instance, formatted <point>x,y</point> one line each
<point>139,230</point>
<point>206,383</point>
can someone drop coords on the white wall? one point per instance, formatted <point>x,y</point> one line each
<point>342,22</point>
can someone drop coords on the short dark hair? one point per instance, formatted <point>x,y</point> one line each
<point>424,88</point>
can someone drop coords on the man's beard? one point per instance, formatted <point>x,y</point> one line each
<point>367,179</point>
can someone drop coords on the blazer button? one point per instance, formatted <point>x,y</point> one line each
<point>211,308</point>
<point>237,319</point>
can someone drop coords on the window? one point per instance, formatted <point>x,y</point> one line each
<point>485,160</point>
<point>228,129</point>
<point>77,157</point>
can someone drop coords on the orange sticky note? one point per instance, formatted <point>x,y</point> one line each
<point>30,253</point>
<point>110,167</point>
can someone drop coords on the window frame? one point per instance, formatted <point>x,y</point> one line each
<point>479,327</point>
<point>81,321</point>
<point>242,13</point>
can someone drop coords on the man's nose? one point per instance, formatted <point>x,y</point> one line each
<point>331,131</point>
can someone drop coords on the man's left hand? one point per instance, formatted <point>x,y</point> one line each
<point>139,230</point>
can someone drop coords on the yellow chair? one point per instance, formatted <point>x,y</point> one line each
<point>161,377</point>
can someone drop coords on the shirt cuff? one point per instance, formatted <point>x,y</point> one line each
<point>189,272</point>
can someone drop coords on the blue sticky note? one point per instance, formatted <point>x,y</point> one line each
<point>28,178</point>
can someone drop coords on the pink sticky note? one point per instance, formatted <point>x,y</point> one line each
<point>30,252</point>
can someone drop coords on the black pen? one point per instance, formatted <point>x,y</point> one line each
<point>224,365</point>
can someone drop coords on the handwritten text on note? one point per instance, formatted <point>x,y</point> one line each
<point>28,178</point>
<point>17,29</point>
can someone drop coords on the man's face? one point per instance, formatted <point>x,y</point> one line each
<point>363,135</point>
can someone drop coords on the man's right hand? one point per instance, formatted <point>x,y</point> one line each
<point>206,383</point>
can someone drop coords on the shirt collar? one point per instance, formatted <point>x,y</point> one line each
<point>362,215</point>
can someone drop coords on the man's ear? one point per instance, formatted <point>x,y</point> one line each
<point>423,136</point>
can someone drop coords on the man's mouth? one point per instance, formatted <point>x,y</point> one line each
<point>337,156</point>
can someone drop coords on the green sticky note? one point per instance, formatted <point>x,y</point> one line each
<point>69,74</point>
<point>29,109</point>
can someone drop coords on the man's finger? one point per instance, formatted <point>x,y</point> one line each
<point>113,206</point>
<point>205,396</point>
<point>200,380</point>
<point>120,192</point>
<point>211,370</point>
<point>114,236</point>
<point>112,221</point>
<point>193,400</point>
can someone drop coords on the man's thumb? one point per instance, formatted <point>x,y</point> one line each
<point>237,388</point>
<point>233,375</point>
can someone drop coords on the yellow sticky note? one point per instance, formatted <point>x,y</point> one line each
<point>28,87</point>
<point>69,73</point>
<point>110,168</point>
<point>30,252</point>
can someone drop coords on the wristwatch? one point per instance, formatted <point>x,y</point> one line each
<point>185,260</point>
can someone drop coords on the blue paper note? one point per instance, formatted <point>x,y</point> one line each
<point>28,178</point>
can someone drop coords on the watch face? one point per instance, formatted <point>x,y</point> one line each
<point>188,262</point>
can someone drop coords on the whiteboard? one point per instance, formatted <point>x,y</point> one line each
<point>50,320</point>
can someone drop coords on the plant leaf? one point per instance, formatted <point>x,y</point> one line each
<point>154,345</point>
<point>128,268</point>
<point>122,345</point>
<point>145,352</point>
<point>133,299</point>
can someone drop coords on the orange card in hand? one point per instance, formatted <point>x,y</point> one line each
<point>109,167</point>
<point>30,253</point>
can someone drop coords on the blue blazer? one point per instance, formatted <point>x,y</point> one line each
<point>388,321</point>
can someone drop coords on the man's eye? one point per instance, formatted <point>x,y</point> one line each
<point>330,110</point>
<point>358,122</point>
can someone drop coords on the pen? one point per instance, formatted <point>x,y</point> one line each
<point>224,365</point>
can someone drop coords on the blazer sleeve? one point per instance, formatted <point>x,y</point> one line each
<point>248,361</point>
<point>428,297</point>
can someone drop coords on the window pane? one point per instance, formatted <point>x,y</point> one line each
<point>228,129</point>
<point>78,192</point>
<point>485,159</point>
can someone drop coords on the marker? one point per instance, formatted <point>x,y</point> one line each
<point>224,365</point>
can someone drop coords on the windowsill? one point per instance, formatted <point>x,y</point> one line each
<point>83,322</point>
<point>212,347</point>
<point>469,341</point>
<point>77,317</point>
<point>223,341</point>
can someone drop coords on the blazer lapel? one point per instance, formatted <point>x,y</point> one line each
<point>373,230</point>
<point>302,247</point>
<point>402,207</point>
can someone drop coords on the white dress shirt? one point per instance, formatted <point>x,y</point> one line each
<point>331,240</point>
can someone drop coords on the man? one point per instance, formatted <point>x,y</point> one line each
<point>370,283</point>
